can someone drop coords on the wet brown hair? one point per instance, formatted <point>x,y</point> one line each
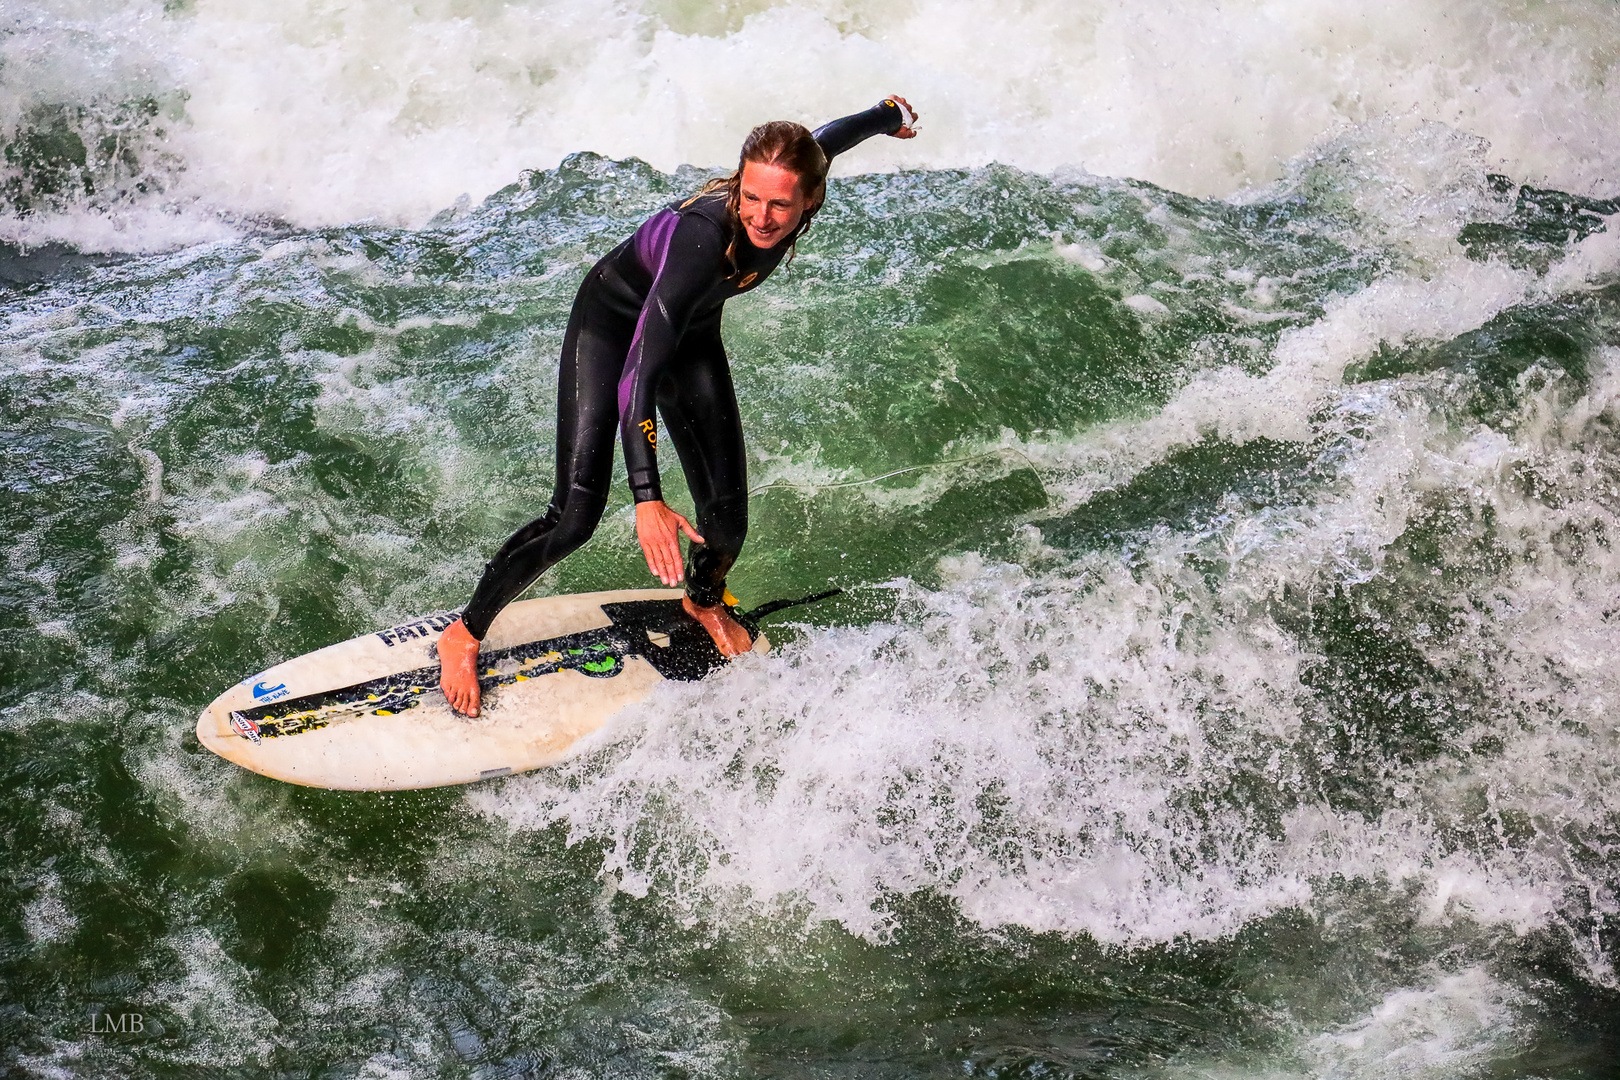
<point>785,144</point>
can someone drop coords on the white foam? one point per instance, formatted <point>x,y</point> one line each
<point>316,114</point>
<point>225,1022</point>
<point>1593,261</point>
<point>138,229</point>
<point>1458,1024</point>
<point>1143,304</point>
<point>1306,375</point>
<point>46,917</point>
<point>1452,1025</point>
<point>1024,749</point>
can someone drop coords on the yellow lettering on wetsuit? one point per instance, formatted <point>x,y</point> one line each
<point>652,433</point>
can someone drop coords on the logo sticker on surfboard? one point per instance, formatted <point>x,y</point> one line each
<point>262,692</point>
<point>421,628</point>
<point>244,727</point>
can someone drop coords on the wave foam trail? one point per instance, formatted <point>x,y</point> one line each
<point>1096,754</point>
<point>317,115</point>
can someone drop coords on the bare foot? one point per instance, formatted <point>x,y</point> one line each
<point>729,636</point>
<point>458,668</point>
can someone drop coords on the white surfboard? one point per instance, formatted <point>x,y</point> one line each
<point>367,714</point>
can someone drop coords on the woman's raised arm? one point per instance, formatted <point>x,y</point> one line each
<point>892,116</point>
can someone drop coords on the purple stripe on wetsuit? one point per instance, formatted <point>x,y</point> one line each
<point>652,248</point>
<point>652,240</point>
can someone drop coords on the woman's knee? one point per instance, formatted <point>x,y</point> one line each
<point>567,524</point>
<point>577,519</point>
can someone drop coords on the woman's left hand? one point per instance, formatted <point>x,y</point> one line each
<point>905,131</point>
<point>659,529</point>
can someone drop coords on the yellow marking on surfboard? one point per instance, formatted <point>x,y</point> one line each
<point>520,678</point>
<point>384,712</point>
<point>727,598</point>
<point>492,671</point>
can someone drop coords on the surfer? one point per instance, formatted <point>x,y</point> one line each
<point>644,334</point>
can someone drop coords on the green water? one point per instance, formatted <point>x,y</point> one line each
<point>1231,693</point>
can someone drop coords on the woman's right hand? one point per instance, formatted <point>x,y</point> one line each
<point>905,131</point>
<point>659,529</point>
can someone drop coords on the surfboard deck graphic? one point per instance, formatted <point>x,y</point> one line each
<point>367,714</point>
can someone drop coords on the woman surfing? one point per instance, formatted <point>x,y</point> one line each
<point>644,334</point>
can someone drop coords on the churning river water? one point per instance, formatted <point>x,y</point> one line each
<point>1213,420</point>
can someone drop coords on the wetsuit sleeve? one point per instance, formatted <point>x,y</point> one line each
<point>688,268</point>
<point>839,135</point>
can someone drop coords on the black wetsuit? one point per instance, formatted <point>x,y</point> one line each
<point>645,333</point>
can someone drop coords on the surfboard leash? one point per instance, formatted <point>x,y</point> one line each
<point>771,607</point>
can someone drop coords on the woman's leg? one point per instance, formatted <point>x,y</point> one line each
<point>587,428</point>
<point>593,353</point>
<point>699,407</point>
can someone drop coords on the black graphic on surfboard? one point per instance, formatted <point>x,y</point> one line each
<point>658,631</point>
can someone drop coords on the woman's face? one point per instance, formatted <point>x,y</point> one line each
<point>772,203</point>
